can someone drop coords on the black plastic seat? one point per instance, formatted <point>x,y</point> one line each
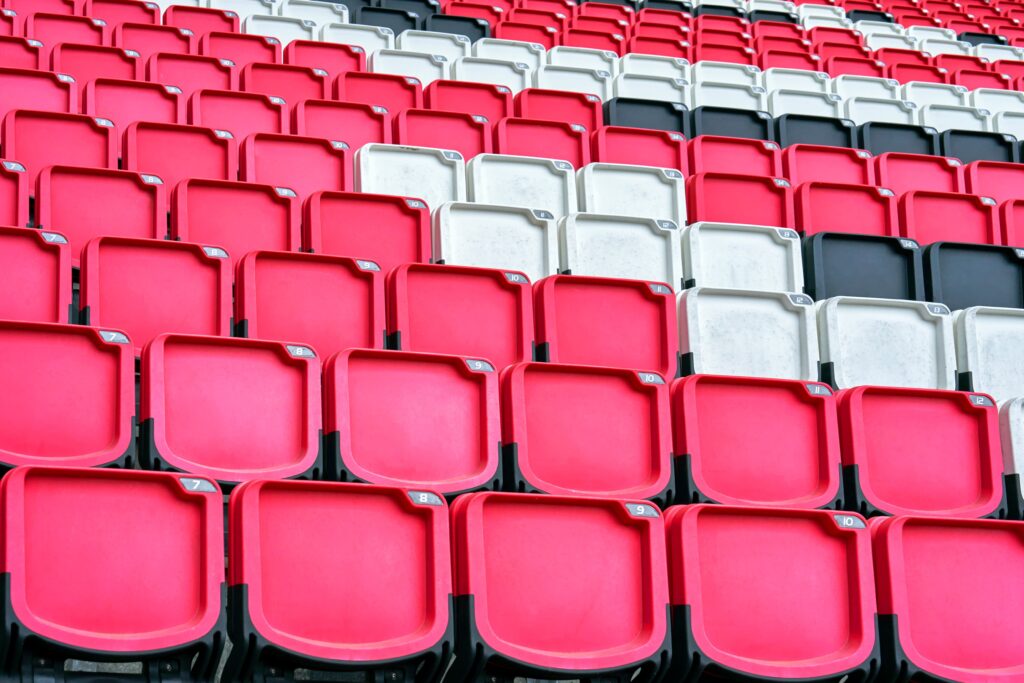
<point>395,19</point>
<point>841,264</point>
<point>652,114</point>
<point>791,129</point>
<point>736,123</point>
<point>879,137</point>
<point>970,145</point>
<point>964,275</point>
<point>471,27</point>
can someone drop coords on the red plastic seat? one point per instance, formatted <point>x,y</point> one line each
<point>964,635</point>
<point>88,62</point>
<point>97,607</point>
<point>148,40</point>
<point>356,124</point>
<point>26,7</point>
<point>743,607</point>
<point>893,56</point>
<point>956,62</point>
<point>240,217</point>
<point>334,58</point>
<point>149,287</point>
<point>789,60</point>
<point>547,139</point>
<point>20,53</point>
<point>856,66</point>
<point>483,99</point>
<point>490,12</point>
<point>37,90</point>
<point>557,105</point>
<point>413,420</point>
<point>117,12</point>
<point>527,568</point>
<point>733,54</point>
<point>391,91</point>
<point>803,163</point>
<point>1001,181</point>
<point>921,452</point>
<point>712,197</point>
<point>385,229</point>
<point>902,172</point>
<point>595,40</point>
<point>241,113</point>
<point>544,36</point>
<point>230,409</point>
<point>10,23</point>
<point>293,83</point>
<point>191,72</point>
<point>53,29</point>
<point>303,164</point>
<point>14,191</point>
<point>36,285</point>
<point>475,312</point>
<point>175,152</point>
<point>783,451</point>
<point>201,20</point>
<point>547,18</point>
<point>857,209</point>
<point>948,217</point>
<point>639,146</point>
<point>467,134</point>
<point>289,578</point>
<point>83,203</point>
<point>643,29</point>
<point>240,48</point>
<point>125,102</point>
<point>1011,218</point>
<point>905,73</point>
<point>974,78</point>
<point>829,50</point>
<point>86,418</point>
<point>665,47</point>
<point>586,430</point>
<point>719,154</point>
<point>39,139</point>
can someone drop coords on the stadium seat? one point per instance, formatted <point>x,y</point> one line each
<point>1011,218</point>
<point>841,264</point>
<point>386,229</point>
<point>627,190</point>
<point>241,49</point>
<point>783,451</point>
<point>149,39</point>
<point>948,217</point>
<point>87,62</point>
<point>37,276</point>
<point>470,27</point>
<point>791,129</point>
<point>302,164</point>
<point>614,246</point>
<point>467,134</point>
<point>624,145</point>
<point>905,172</point>
<point>83,203</point>
<point>494,102</point>
<point>201,20</point>
<point>274,300</point>
<point>985,340</point>
<point>965,275</point>
<point>14,191</point>
<point>20,53</point>
<point>192,72</point>
<point>835,207</point>
<point>526,568</point>
<point>332,58</point>
<point>649,112</point>
<point>718,154</point>
<point>756,616</point>
<point>274,564</point>
<point>239,113</point>
<point>1011,420</point>
<point>38,90</point>
<point>125,102</point>
<point>804,163</point>
<point>477,72</point>
<point>96,608</point>
<point>886,342</point>
<point>53,29</point>
<point>970,145</point>
<point>38,139</point>
<point>879,137</point>
<point>283,29</point>
<point>246,8</point>
<point>549,139</point>
<point>447,45</point>
<point>412,419</point>
<point>606,322</point>
<point>149,287</point>
<point>25,7</point>
<point>712,197</point>
<point>239,217</point>
<point>1001,181</point>
<point>916,560</point>
<point>175,152</point>
<point>736,256</point>
<point>357,124</point>
<point>493,320</point>
<point>390,91</point>
<point>586,430</point>
<point>559,105</point>
<point>921,452</point>
<point>747,333</point>
<point>95,367</point>
<point>495,236</point>
<point>258,403</point>
<point>321,13</point>
<point>291,83</point>
<point>432,175</point>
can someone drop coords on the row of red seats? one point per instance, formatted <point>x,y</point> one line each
<point>506,581</point>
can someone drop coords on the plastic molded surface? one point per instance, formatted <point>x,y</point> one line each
<point>737,256</point>
<point>986,342</point>
<point>621,247</point>
<point>36,285</point>
<point>433,175</point>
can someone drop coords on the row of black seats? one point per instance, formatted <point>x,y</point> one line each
<point>787,129</point>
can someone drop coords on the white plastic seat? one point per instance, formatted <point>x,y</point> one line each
<point>1009,123</point>
<point>826,22</point>
<point>434,175</point>
<point>739,5</point>
<point>994,53</point>
<point>939,46</point>
<point>285,29</point>
<point>246,8</point>
<point>621,247</point>
<point>531,54</point>
<point>875,28</point>
<point>584,58</point>
<point>847,86</point>
<point>734,96</point>
<point>795,79</point>
<point>370,38</point>
<point>770,6</point>
<point>804,11</point>
<point>748,333</point>
<point>450,45</point>
<point>573,79</point>
<point>628,190</point>
<point>533,182</point>
<point>736,256</point>
<point>931,33</point>
<point>802,102</point>
<point>496,236</point>
<point>654,65</point>
<point>942,117</point>
<point>515,76</point>
<point>424,66</point>
<point>1011,429</point>
<point>725,72</point>
<point>988,347</point>
<point>886,342</point>
<point>996,100</point>
<point>923,94</point>
<point>864,109</point>
<point>881,41</point>
<point>317,11</point>
<point>651,88</point>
